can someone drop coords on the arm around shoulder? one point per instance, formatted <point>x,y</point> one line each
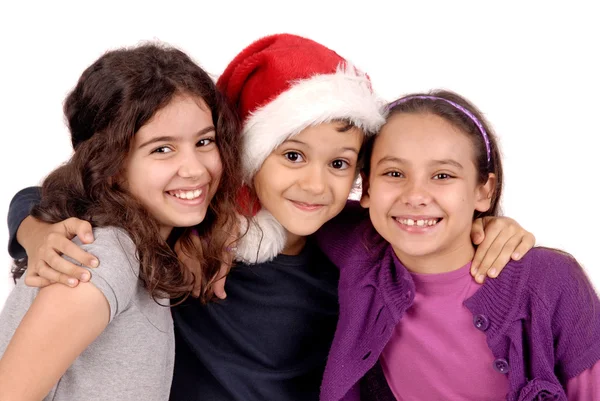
<point>349,231</point>
<point>19,209</point>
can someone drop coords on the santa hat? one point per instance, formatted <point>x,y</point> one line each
<point>280,85</point>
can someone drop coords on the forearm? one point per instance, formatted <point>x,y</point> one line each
<point>26,230</point>
<point>19,209</point>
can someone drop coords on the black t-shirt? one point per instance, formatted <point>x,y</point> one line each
<point>269,339</point>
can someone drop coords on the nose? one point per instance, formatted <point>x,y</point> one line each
<point>313,179</point>
<point>415,193</point>
<point>191,165</point>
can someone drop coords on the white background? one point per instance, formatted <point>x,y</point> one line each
<point>532,67</point>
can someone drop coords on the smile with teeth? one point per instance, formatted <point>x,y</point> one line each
<point>186,194</point>
<point>419,223</point>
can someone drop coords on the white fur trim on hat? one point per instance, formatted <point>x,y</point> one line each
<point>264,239</point>
<point>345,94</point>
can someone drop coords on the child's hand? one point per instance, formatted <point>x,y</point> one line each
<point>193,267</point>
<point>228,255</point>
<point>219,285</point>
<point>191,263</point>
<point>45,243</point>
<point>499,239</point>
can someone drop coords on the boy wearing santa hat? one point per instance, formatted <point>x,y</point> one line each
<point>305,113</point>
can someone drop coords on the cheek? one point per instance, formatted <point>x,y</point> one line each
<point>271,178</point>
<point>456,200</point>
<point>215,166</point>
<point>382,194</point>
<point>341,188</point>
<point>343,185</point>
<point>145,176</point>
<point>264,187</point>
<point>134,176</point>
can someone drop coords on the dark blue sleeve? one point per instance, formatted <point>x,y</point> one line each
<point>19,209</point>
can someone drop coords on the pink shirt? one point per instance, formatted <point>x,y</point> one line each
<point>437,353</point>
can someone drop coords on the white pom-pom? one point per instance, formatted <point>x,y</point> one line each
<point>264,239</point>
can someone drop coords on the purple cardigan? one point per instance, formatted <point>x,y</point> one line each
<point>541,317</point>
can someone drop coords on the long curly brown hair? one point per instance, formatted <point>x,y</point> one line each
<point>112,100</point>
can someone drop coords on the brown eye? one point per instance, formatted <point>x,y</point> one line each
<point>205,142</point>
<point>394,174</point>
<point>162,149</point>
<point>339,164</point>
<point>294,157</point>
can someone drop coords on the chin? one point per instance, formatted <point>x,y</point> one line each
<point>188,221</point>
<point>302,231</point>
<point>413,249</point>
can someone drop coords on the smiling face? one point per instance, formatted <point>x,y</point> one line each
<point>174,166</point>
<point>423,190</point>
<point>306,181</point>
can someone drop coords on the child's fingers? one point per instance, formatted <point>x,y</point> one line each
<point>70,249</point>
<point>477,231</point>
<point>227,262</point>
<point>482,250</point>
<point>516,245</point>
<point>492,251</point>
<point>219,285</point>
<point>219,288</point>
<point>65,267</point>
<point>192,267</point>
<point>33,280</point>
<point>80,228</point>
<point>503,258</point>
<point>197,287</point>
<point>52,275</point>
<point>527,242</point>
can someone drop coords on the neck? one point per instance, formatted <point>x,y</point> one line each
<point>294,244</point>
<point>439,261</point>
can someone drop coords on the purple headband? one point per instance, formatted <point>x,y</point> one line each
<point>484,134</point>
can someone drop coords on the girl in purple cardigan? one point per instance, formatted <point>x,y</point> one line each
<point>414,325</point>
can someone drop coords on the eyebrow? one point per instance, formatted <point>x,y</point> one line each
<point>390,159</point>
<point>448,161</point>
<point>167,138</point>
<point>348,148</point>
<point>435,162</point>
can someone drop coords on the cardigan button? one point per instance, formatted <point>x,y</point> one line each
<point>481,322</point>
<point>501,365</point>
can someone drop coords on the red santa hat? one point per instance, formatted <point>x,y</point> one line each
<point>280,85</point>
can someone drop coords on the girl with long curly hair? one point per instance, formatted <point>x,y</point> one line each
<point>155,149</point>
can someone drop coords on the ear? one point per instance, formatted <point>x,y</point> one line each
<point>365,199</point>
<point>484,194</point>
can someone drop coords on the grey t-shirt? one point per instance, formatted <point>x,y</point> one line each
<point>132,359</point>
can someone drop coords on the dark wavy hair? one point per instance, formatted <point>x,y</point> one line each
<point>460,120</point>
<point>112,100</point>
